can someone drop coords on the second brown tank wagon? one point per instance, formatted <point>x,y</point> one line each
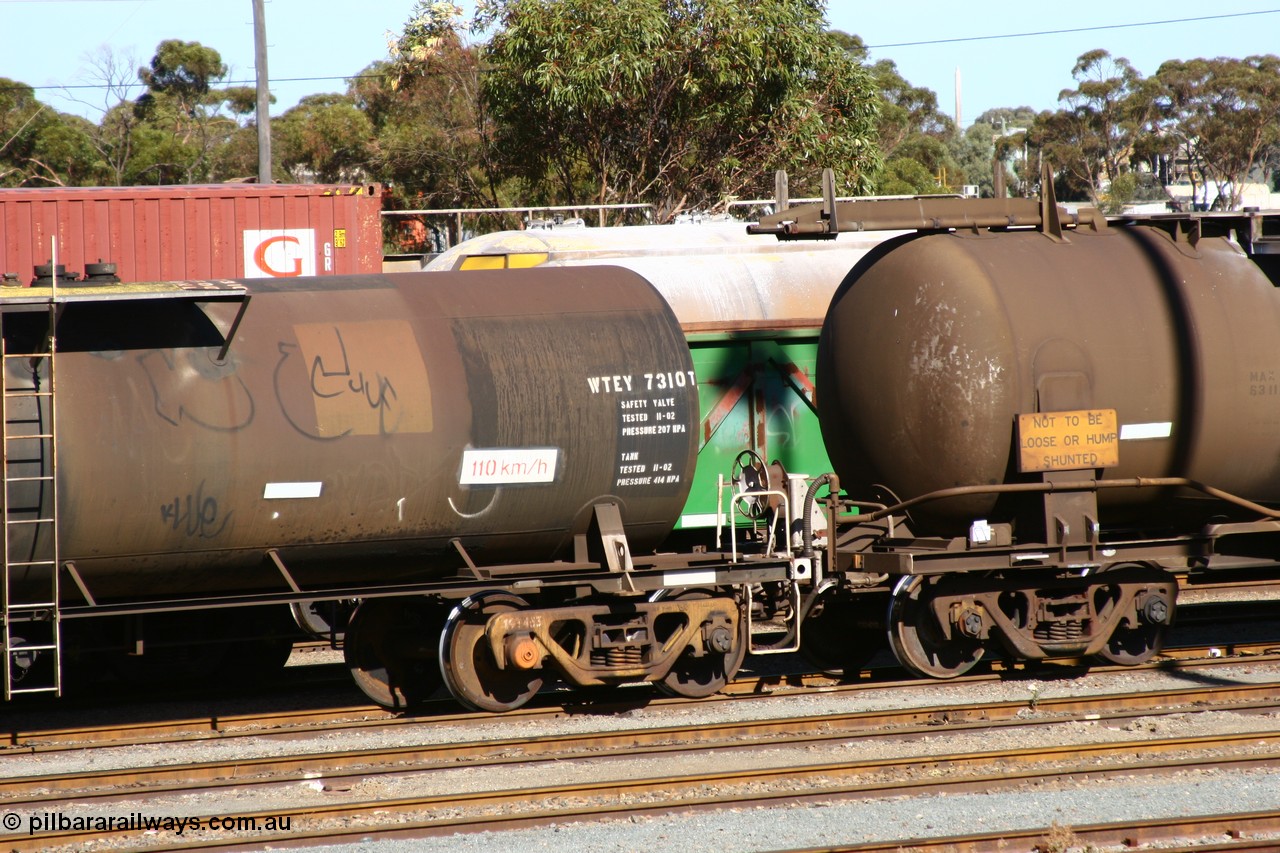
<point>1043,413</point>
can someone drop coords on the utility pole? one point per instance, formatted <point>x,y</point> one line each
<point>264,92</point>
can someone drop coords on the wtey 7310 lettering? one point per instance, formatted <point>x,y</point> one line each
<point>661,381</point>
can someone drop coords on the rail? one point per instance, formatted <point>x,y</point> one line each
<point>828,777</point>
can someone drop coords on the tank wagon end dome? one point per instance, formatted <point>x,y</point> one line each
<point>917,371</point>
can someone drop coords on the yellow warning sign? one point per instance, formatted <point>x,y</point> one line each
<point>1068,441</point>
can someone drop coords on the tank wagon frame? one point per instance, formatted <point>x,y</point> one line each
<point>1042,557</point>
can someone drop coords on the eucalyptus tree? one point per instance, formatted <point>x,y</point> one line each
<point>185,116</point>
<point>40,146</point>
<point>1092,137</point>
<point>1223,117</point>
<point>684,105</point>
<point>22,116</point>
<point>325,138</point>
<point>431,133</point>
<point>65,154</point>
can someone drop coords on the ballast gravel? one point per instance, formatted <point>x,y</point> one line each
<point>1030,806</point>
<point>890,820</point>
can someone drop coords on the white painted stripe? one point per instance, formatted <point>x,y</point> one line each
<point>1129,432</point>
<point>688,578</point>
<point>698,519</point>
<point>278,491</point>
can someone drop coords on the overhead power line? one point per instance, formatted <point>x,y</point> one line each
<point>1032,34</point>
<point>274,80</point>
<point>1076,30</point>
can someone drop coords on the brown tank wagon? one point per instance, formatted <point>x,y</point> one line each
<point>355,413</point>
<point>1042,414</point>
<point>519,441</point>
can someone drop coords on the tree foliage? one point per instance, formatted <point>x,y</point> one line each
<point>1206,122</point>
<point>325,138</point>
<point>64,153</point>
<point>681,104</point>
<point>181,77</point>
<point>906,111</point>
<point>1092,137</point>
<point>182,127</point>
<point>917,140</point>
<point>21,119</point>
<point>907,176</point>
<point>1223,117</point>
<point>432,134</point>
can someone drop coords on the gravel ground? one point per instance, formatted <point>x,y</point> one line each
<point>899,819</point>
<point>758,828</point>
<point>803,825</point>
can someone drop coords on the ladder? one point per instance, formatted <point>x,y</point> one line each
<point>32,630</point>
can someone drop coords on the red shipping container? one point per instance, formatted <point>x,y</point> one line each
<point>214,231</point>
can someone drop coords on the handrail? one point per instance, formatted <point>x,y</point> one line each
<point>1073,486</point>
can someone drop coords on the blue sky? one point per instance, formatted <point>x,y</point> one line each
<point>52,43</point>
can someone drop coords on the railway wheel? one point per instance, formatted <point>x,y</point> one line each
<point>698,676</point>
<point>470,671</point>
<point>916,638</point>
<point>1132,646</point>
<point>390,649</point>
<point>841,632</point>
<point>28,668</point>
<point>322,620</point>
<point>1140,636</point>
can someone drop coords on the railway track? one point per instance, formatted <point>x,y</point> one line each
<point>625,793</point>
<point>1248,832</point>
<point>321,677</point>
<point>825,730</point>
<point>278,785</point>
<point>299,721</point>
<point>368,821</point>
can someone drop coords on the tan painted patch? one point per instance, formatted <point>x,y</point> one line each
<point>367,378</point>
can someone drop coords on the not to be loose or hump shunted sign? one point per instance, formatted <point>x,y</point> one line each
<point>1068,441</point>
